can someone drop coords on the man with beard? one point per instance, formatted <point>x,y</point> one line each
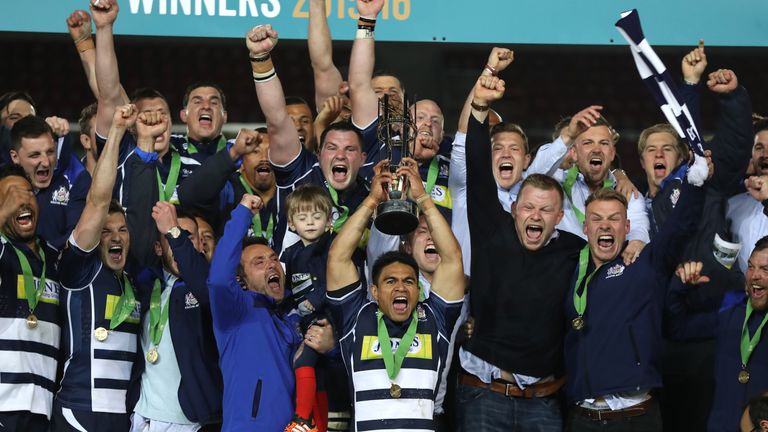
<point>101,312</point>
<point>520,269</point>
<point>740,364</point>
<point>60,195</point>
<point>29,293</point>
<point>256,337</point>
<point>593,150</point>
<point>221,181</point>
<point>614,312</point>
<point>338,161</point>
<point>748,212</point>
<point>395,390</point>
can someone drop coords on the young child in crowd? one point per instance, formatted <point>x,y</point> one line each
<point>308,210</point>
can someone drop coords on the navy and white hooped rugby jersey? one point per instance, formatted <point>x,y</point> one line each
<point>420,374</point>
<point>97,374</point>
<point>28,357</point>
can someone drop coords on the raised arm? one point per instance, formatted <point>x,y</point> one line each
<point>448,279</point>
<point>140,187</point>
<point>284,139</point>
<point>225,293</point>
<point>104,14</point>
<point>192,265</point>
<point>202,189</point>
<point>692,67</point>
<point>732,144</point>
<point>341,271</point>
<point>365,103</point>
<point>326,74</point>
<point>87,232</point>
<point>79,26</point>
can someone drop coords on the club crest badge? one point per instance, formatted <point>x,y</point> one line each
<point>60,196</point>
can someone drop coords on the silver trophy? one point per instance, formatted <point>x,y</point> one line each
<point>398,215</point>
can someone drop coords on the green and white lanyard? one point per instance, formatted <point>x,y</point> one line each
<point>220,144</point>
<point>124,306</point>
<point>432,175</point>
<point>570,179</point>
<point>343,214</point>
<point>394,361</point>
<point>32,291</point>
<point>157,318</point>
<point>256,220</point>
<point>165,191</point>
<point>580,300</point>
<point>748,344</point>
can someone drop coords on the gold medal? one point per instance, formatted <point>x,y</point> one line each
<point>32,321</point>
<point>101,334</point>
<point>577,323</point>
<point>152,356</point>
<point>395,391</point>
<point>743,377</point>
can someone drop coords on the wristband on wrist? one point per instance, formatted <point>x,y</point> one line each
<point>265,76</point>
<point>364,33</point>
<point>491,69</point>
<point>263,69</point>
<point>420,200</point>
<point>479,107</point>
<point>260,58</point>
<point>84,44</point>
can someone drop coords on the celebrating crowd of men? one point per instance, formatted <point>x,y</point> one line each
<point>190,282</point>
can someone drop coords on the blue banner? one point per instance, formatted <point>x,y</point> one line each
<point>678,22</point>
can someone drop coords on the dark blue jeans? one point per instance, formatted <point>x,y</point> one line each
<point>480,409</point>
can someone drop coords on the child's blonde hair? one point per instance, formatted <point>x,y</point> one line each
<point>308,197</point>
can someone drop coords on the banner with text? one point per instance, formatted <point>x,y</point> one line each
<point>681,22</point>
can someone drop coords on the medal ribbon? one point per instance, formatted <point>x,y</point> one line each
<point>256,221</point>
<point>33,292</point>
<point>570,179</point>
<point>220,144</point>
<point>747,344</point>
<point>124,306</point>
<point>580,300</point>
<point>431,176</point>
<point>339,222</point>
<point>165,192</point>
<point>393,362</point>
<point>157,318</point>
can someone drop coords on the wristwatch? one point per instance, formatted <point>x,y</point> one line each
<point>174,232</point>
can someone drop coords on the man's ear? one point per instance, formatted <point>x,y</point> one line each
<point>572,153</point>
<point>375,292</point>
<point>14,156</point>
<point>85,141</point>
<point>224,115</point>
<point>183,115</point>
<point>407,248</point>
<point>158,248</point>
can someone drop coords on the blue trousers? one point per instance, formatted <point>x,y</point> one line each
<point>480,409</point>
